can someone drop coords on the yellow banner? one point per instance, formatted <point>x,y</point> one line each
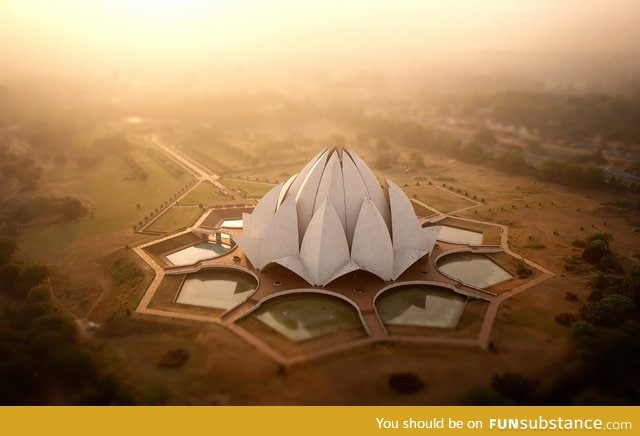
<point>309,421</point>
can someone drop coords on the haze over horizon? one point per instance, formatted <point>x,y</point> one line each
<point>171,38</point>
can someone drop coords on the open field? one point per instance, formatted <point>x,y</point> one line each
<point>254,189</point>
<point>234,154</point>
<point>271,174</point>
<point>111,197</point>
<point>204,193</point>
<point>443,200</point>
<point>177,217</point>
<point>74,249</point>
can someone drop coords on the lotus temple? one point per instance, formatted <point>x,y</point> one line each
<point>335,259</point>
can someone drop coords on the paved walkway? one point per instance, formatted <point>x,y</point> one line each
<point>188,162</point>
<point>200,174</point>
<point>164,210</point>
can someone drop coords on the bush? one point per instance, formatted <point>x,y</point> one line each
<point>7,248</point>
<point>483,396</point>
<point>174,358</point>
<point>599,236</point>
<point>609,263</point>
<point>610,311</point>
<point>566,319</point>
<point>512,386</point>
<point>523,270</point>
<point>405,383</point>
<point>596,295</point>
<point>595,250</point>
<point>600,282</point>
<point>570,296</point>
<point>47,210</point>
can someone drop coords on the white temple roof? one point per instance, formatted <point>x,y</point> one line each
<point>332,218</point>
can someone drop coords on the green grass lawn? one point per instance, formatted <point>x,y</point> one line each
<point>272,173</point>
<point>204,193</point>
<point>111,197</point>
<point>532,317</point>
<point>176,218</point>
<point>255,190</point>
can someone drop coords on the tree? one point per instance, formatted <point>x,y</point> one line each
<point>602,236</point>
<point>611,310</point>
<point>597,246</point>
<point>594,251</point>
<point>484,137</point>
<point>513,161</point>
<point>512,386</point>
<point>483,396</point>
<point>7,248</point>
<point>72,209</point>
<point>472,152</point>
<point>417,161</point>
<point>630,285</point>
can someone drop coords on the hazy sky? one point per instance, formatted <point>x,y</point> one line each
<point>187,34</point>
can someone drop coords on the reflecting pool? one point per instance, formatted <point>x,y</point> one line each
<point>232,224</point>
<point>220,289</point>
<point>306,316</point>
<point>421,306</point>
<point>198,252</point>
<point>473,269</point>
<point>459,236</point>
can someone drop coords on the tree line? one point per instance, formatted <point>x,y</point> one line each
<point>45,358</point>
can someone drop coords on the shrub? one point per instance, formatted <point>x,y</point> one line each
<point>523,270</point>
<point>611,310</point>
<point>570,296</point>
<point>174,358</point>
<point>7,248</point>
<point>483,396</point>
<point>566,319</point>
<point>512,386</point>
<point>405,383</point>
<point>595,250</point>
<point>609,263</point>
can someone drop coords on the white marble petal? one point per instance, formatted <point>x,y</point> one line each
<point>405,227</point>
<point>372,248</point>
<point>279,240</point>
<point>324,249</point>
<point>354,194</point>
<point>305,195</point>
<point>373,186</point>
<point>331,188</point>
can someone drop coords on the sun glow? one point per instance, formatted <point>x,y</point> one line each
<point>174,13</point>
<point>166,33</point>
